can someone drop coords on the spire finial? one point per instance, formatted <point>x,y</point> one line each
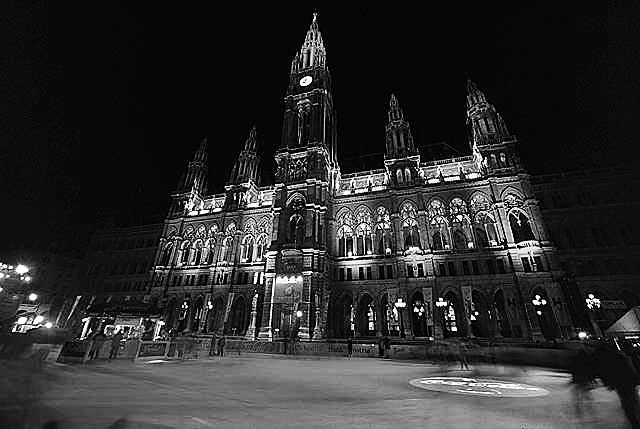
<point>315,17</point>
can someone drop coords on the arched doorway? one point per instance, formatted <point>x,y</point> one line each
<point>366,316</point>
<point>479,315</point>
<point>502,319</point>
<point>216,315</point>
<point>183,313</point>
<point>170,315</point>
<point>341,320</point>
<point>544,314</point>
<point>418,315</point>
<point>453,320</point>
<point>238,317</point>
<point>196,315</point>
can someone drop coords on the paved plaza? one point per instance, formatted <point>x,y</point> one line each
<point>263,391</point>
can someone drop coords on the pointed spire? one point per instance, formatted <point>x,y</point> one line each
<point>312,52</point>
<point>250,143</point>
<point>395,112</point>
<point>474,95</point>
<point>201,153</point>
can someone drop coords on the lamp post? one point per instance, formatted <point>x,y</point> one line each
<point>539,303</point>
<point>12,293</point>
<point>400,305</point>
<point>593,304</point>
<point>441,303</point>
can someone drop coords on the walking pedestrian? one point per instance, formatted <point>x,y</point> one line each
<point>387,348</point>
<point>97,342</point>
<point>115,345</point>
<point>349,347</point>
<point>214,342</point>
<point>462,356</point>
<point>582,379</point>
<point>221,344</point>
<point>618,373</point>
<point>380,347</point>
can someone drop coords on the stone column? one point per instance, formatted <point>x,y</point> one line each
<point>305,307</point>
<point>266,332</point>
<point>317,332</point>
<point>251,331</point>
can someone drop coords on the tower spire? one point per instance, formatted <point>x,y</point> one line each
<point>399,139</point>
<point>312,53</point>
<point>246,168</point>
<point>486,124</point>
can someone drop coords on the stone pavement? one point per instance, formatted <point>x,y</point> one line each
<point>266,391</point>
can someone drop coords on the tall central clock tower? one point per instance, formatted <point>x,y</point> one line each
<point>295,288</point>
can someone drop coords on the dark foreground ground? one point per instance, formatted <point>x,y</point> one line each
<point>262,391</point>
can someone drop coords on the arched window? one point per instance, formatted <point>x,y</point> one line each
<point>461,232</point>
<point>383,242</point>
<point>410,233</point>
<point>227,249</point>
<point>296,229</point>
<point>260,247</point>
<point>436,208</point>
<point>520,227</point>
<point>407,175</point>
<point>399,176</point>
<point>364,240</point>
<point>197,252</point>
<point>210,245</point>
<point>479,202</point>
<point>439,233</point>
<point>345,241</point>
<point>184,256</point>
<point>484,230</point>
<point>165,261</point>
<point>247,249</point>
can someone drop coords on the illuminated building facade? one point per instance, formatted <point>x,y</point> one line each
<point>325,254</point>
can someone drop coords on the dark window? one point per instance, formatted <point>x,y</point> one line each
<point>174,282</point>
<point>452,268</point>
<point>491,266</point>
<point>538,261</point>
<point>475,267</point>
<point>205,279</point>
<point>361,273</point>
<point>389,271</point>
<point>500,262</point>
<point>409,270</point>
<point>526,265</point>
<point>341,274</point>
<point>381,272</point>
<point>369,275</point>
<point>465,268</point>
<point>225,279</point>
<point>420,270</point>
<point>441,269</point>
<point>349,274</point>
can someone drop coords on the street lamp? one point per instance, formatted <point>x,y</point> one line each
<point>33,296</point>
<point>400,304</point>
<point>593,304</point>
<point>538,302</point>
<point>441,303</point>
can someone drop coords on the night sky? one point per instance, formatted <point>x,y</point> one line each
<point>105,104</point>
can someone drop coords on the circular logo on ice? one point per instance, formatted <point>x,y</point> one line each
<point>478,387</point>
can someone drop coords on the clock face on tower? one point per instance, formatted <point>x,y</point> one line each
<point>306,80</point>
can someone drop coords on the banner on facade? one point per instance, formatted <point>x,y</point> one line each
<point>229,304</point>
<point>427,293</point>
<point>466,299</point>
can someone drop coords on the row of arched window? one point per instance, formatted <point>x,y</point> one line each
<point>208,252</point>
<point>456,228</point>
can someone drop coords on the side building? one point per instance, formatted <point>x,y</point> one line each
<point>591,216</point>
<point>117,280</point>
<point>442,247</point>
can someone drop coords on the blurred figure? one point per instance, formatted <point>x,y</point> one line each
<point>387,347</point>
<point>462,356</point>
<point>349,347</point>
<point>380,347</point>
<point>97,341</point>
<point>583,378</point>
<point>618,373</point>
<point>221,344</point>
<point>115,345</point>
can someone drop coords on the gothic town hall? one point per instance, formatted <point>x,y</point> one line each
<point>421,248</point>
